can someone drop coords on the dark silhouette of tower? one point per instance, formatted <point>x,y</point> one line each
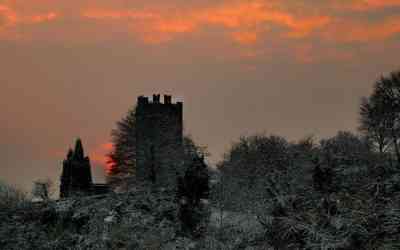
<point>159,138</point>
<point>76,178</point>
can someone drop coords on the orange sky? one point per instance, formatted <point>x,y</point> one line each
<point>72,68</point>
<point>158,22</point>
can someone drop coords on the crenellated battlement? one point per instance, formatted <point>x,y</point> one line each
<point>156,99</point>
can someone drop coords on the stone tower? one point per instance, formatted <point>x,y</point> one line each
<point>76,177</point>
<point>159,140</point>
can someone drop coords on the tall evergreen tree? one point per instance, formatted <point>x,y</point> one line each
<point>79,153</point>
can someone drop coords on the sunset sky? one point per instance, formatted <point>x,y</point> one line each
<point>72,68</point>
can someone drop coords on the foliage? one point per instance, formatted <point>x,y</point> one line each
<point>192,187</point>
<point>123,155</point>
<point>192,150</point>
<point>11,197</point>
<point>248,162</point>
<point>345,147</point>
<point>254,156</point>
<point>143,218</point>
<point>357,208</point>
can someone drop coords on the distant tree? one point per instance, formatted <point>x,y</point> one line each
<point>123,155</point>
<point>345,161</point>
<point>380,113</point>
<point>42,189</point>
<point>247,166</point>
<point>79,153</point>
<point>193,187</point>
<point>11,198</point>
<point>192,150</point>
<point>255,156</point>
<point>305,146</point>
<point>344,148</point>
<point>372,124</point>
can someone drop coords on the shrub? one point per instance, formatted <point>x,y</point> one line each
<point>11,198</point>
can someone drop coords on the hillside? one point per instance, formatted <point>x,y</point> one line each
<point>142,218</point>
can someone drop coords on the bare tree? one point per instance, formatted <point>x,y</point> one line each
<point>372,125</point>
<point>380,113</point>
<point>10,197</point>
<point>253,157</point>
<point>43,189</point>
<point>344,148</point>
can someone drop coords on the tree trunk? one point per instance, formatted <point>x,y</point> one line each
<point>396,149</point>
<point>381,145</point>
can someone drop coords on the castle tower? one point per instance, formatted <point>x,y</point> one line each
<point>159,140</point>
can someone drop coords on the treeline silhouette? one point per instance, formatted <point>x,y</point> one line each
<point>336,193</point>
<point>267,192</point>
<point>339,193</point>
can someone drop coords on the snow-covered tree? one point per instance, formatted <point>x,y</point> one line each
<point>43,189</point>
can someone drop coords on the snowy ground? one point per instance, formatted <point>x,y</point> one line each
<point>244,222</point>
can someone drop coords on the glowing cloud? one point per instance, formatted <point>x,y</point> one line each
<point>241,22</point>
<point>363,5</point>
<point>10,17</point>
<point>7,16</point>
<point>245,37</point>
<point>43,18</point>
<point>357,31</point>
<point>159,26</point>
<point>117,15</point>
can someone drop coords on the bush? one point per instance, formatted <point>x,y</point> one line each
<point>11,198</point>
<point>43,189</point>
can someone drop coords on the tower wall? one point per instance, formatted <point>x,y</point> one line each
<point>159,140</point>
